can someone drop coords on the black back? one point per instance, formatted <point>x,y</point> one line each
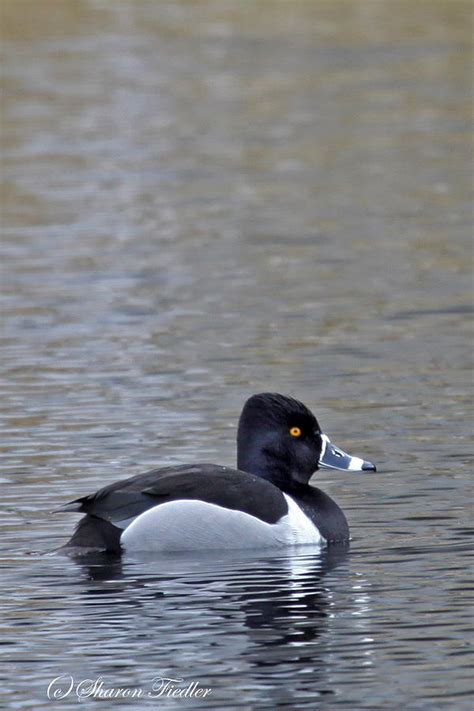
<point>123,500</point>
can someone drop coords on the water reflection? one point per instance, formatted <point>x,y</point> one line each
<point>266,612</point>
<point>271,591</point>
<point>243,616</point>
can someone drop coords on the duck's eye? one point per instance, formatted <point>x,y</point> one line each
<point>295,432</point>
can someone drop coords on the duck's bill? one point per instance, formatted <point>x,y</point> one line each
<point>334,458</point>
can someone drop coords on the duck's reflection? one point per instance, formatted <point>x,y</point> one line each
<point>285,594</point>
<point>257,613</point>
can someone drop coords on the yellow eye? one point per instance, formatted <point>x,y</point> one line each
<point>295,432</point>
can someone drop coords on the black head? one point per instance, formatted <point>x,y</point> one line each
<point>278,439</point>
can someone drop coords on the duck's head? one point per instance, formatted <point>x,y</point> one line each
<point>280,440</point>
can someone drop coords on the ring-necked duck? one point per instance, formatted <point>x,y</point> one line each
<point>266,501</point>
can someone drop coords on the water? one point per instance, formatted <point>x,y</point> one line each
<point>208,200</point>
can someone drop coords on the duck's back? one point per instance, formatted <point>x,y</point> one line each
<point>181,507</point>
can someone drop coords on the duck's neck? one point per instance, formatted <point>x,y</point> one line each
<point>266,467</point>
<point>253,461</point>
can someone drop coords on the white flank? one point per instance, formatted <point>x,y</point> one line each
<point>196,525</point>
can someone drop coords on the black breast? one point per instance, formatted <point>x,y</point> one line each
<point>323,512</point>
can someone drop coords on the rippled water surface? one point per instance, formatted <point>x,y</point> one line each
<point>202,201</point>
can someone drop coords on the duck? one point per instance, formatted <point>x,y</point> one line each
<point>267,501</point>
